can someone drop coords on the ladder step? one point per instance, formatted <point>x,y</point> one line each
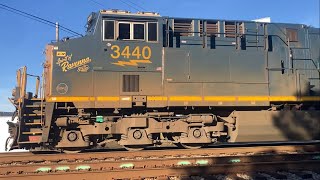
<point>26,115</point>
<point>33,121</point>
<point>29,142</point>
<point>34,106</point>
<point>33,133</point>
<point>36,99</point>
<point>33,124</point>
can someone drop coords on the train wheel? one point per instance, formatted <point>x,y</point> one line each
<point>190,146</point>
<point>133,148</point>
<point>71,150</point>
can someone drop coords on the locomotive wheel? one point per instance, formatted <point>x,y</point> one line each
<point>8,144</point>
<point>190,146</point>
<point>133,148</point>
<point>71,150</point>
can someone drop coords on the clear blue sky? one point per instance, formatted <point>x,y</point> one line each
<point>22,40</point>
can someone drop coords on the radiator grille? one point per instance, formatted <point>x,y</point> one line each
<point>230,29</point>
<point>130,83</point>
<point>183,27</point>
<point>292,34</point>
<point>212,28</point>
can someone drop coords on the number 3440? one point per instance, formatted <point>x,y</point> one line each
<point>137,53</point>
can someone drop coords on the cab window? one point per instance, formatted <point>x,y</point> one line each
<point>138,31</point>
<point>152,31</point>
<point>124,30</point>
<point>131,31</point>
<point>108,30</point>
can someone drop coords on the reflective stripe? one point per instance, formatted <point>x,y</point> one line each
<point>253,98</point>
<point>283,98</point>
<point>220,98</point>
<point>85,99</point>
<point>125,98</point>
<point>186,98</point>
<point>70,99</point>
<point>310,98</point>
<point>103,98</point>
<point>157,98</point>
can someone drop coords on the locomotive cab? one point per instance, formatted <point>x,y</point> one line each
<point>119,51</point>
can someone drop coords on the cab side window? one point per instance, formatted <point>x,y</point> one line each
<point>124,31</point>
<point>128,30</point>
<point>108,30</point>
<point>131,31</point>
<point>152,31</point>
<point>138,31</point>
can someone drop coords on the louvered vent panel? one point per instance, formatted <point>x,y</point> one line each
<point>292,34</point>
<point>130,83</point>
<point>230,29</point>
<point>212,28</point>
<point>183,27</point>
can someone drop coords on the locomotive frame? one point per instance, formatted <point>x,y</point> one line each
<point>143,80</point>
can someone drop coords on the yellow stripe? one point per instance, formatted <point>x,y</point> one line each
<point>283,98</point>
<point>219,98</point>
<point>185,98</point>
<point>70,99</point>
<point>106,98</point>
<point>125,98</point>
<point>84,99</point>
<point>157,98</point>
<point>253,98</point>
<point>310,98</point>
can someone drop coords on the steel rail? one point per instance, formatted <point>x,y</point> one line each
<point>6,158</point>
<point>157,167</point>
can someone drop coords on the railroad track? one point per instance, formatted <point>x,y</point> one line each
<point>164,164</point>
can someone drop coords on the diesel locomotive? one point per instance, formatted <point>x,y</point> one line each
<point>141,80</point>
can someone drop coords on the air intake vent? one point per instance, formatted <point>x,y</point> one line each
<point>212,28</point>
<point>292,34</point>
<point>130,83</point>
<point>183,27</point>
<point>230,29</point>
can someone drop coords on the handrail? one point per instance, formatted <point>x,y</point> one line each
<point>22,77</point>
<point>237,34</point>
<point>37,84</point>
<point>249,34</point>
<point>42,93</point>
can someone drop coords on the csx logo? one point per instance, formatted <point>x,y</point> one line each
<point>136,56</point>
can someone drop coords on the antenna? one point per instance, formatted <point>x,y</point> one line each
<point>57,31</point>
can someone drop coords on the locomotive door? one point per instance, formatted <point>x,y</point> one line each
<point>177,65</point>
